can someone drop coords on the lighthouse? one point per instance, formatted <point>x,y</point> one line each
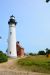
<point>12,38</point>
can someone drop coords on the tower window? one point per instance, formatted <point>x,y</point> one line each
<point>10,52</point>
<point>7,50</point>
<point>10,32</point>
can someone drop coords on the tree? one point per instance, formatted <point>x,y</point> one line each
<point>41,53</point>
<point>31,54</point>
<point>47,51</point>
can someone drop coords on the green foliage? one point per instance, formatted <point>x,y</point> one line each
<point>35,63</point>
<point>31,54</point>
<point>3,57</point>
<point>47,51</point>
<point>41,52</point>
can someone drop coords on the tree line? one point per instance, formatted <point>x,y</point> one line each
<point>42,52</point>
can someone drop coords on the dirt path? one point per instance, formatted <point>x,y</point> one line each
<point>7,65</point>
<point>9,68</point>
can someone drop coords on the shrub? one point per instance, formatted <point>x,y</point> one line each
<point>41,52</point>
<point>3,57</point>
<point>48,52</point>
<point>31,54</point>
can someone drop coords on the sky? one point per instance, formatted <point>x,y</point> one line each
<point>33,27</point>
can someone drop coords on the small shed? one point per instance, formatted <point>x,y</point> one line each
<point>20,49</point>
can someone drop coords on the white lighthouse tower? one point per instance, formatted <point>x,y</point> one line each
<point>12,38</point>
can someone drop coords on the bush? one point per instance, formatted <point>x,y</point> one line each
<point>31,54</point>
<point>3,57</point>
<point>48,52</point>
<point>41,53</point>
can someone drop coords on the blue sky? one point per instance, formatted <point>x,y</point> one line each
<point>33,28</point>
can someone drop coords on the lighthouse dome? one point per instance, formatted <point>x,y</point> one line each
<point>12,20</point>
<point>12,17</point>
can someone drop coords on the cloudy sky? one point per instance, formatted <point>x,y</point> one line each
<point>33,28</point>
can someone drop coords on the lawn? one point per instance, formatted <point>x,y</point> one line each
<point>35,64</point>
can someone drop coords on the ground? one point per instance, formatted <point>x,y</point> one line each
<point>9,68</point>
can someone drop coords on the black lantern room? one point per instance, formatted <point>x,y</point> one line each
<point>12,20</point>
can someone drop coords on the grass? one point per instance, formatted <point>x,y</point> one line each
<point>35,64</point>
